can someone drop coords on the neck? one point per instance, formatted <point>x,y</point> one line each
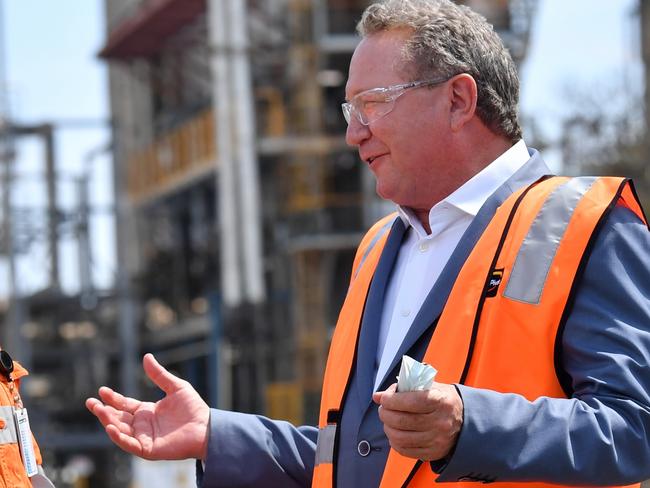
<point>471,158</point>
<point>423,217</point>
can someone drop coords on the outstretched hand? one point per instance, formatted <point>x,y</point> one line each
<point>175,427</point>
<point>421,424</point>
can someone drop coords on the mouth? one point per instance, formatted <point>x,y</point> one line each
<point>372,159</point>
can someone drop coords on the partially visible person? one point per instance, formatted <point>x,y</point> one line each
<point>20,457</point>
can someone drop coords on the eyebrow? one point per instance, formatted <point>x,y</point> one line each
<point>362,91</point>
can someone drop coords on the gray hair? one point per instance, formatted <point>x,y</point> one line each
<point>450,39</point>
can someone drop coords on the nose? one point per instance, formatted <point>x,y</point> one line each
<point>356,132</point>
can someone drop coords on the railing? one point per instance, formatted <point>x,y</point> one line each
<point>189,152</point>
<point>176,158</point>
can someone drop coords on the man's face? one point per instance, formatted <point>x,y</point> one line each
<point>405,149</point>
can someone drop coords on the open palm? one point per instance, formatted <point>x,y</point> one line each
<point>175,427</point>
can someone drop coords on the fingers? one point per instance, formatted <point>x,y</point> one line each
<point>425,445</point>
<point>166,381</point>
<point>119,401</point>
<point>411,401</point>
<point>124,441</point>
<point>378,395</point>
<point>421,424</point>
<point>406,421</point>
<point>118,426</point>
<point>408,439</point>
<point>439,397</point>
<point>108,416</point>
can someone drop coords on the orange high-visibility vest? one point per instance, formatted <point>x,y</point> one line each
<point>501,287</point>
<point>12,470</point>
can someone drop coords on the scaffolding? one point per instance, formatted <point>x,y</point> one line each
<point>238,205</point>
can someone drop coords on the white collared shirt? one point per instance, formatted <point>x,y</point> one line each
<point>422,256</point>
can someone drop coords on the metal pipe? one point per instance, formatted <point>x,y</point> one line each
<point>87,291</point>
<point>128,333</point>
<point>47,132</point>
<point>226,177</point>
<point>245,147</point>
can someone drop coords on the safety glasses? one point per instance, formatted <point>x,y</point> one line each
<point>371,105</point>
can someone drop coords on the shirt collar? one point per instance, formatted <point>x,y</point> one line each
<point>471,196</point>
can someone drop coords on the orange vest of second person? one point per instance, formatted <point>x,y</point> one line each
<point>501,287</point>
<point>12,470</point>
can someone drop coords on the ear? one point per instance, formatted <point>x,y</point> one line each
<point>464,93</point>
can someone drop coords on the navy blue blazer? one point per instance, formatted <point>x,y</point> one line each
<point>598,436</point>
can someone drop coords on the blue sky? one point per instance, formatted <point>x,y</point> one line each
<point>53,74</point>
<point>588,46</point>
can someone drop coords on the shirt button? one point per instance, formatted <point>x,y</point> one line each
<point>424,247</point>
<point>363,448</point>
<point>405,312</point>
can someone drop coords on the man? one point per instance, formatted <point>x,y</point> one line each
<point>528,294</point>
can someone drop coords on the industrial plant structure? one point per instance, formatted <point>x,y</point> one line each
<point>239,208</point>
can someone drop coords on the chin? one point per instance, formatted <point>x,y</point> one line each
<point>382,191</point>
<point>391,197</point>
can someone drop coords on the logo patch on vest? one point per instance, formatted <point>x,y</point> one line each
<point>493,282</point>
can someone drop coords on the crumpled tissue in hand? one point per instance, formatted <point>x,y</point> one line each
<point>414,375</point>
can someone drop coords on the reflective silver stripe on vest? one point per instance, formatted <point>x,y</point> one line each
<point>325,445</point>
<point>372,243</point>
<point>536,254</point>
<point>8,433</point>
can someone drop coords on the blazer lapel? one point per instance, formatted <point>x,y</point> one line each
<point>432,307</point>
<point>367,348</point>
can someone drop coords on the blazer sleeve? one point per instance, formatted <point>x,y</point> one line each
<point>252,450</point>
<point>601,435</point>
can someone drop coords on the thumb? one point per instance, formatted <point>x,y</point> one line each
<point>378,395</point>
<point>162,378</point>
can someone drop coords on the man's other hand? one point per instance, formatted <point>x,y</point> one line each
<point>421,424</point>
<point>175,427</point>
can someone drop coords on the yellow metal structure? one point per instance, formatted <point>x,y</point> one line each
<point>174,160</point>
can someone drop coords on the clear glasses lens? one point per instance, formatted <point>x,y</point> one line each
<point>369,106</point>
<point>347,111</point>
<point>373,104</point>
